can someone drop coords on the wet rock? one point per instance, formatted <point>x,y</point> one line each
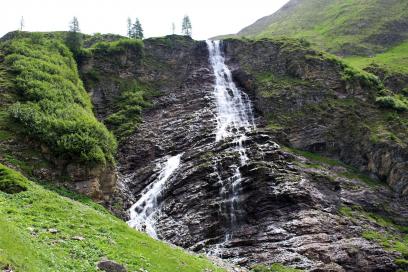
<point>315,111</point>
<point>287,211</point>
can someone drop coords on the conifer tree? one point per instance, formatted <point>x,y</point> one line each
<point>22,23</point>
<point>129,28</point>
<point>137,30</point>
<point>74,37</point>
<point>186,28</point>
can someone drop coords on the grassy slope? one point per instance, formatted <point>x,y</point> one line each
<point>334,24</point>
<point>27,245</point>
<point>343,27</point>
<point>394,60</point>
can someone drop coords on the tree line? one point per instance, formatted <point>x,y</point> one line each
<point>134,31</point>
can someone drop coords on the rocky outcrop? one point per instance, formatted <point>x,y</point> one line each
<point>396,82</point>
<point>316,108</point>
<point>289,210</point>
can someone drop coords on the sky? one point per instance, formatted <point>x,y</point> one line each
<point>209,18</point>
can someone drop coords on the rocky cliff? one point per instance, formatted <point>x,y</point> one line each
<point>295,208</point>
<point>311,103</point>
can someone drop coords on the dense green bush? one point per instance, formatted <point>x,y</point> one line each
<point>405,92</point>
<point>11,183</point>
<point>366,79</point>
<point>129,107</point>
<point>395,102</point>
<point>117,46</point>
<point>54,107</point>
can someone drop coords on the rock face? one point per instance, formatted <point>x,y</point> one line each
<point>288,210</point>
<point>306,96</point>
<point>396,82</point>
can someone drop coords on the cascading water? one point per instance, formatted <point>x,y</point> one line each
<point>144,213</point>
<point>234,119</point>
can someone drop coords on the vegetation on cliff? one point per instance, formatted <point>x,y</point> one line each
<point>393,236</point>
<point>53,106</point>
<point>42,230</point>
<point>117,46</point>
<point>394,59</point>
<point>367,33</point>
<point>128,108</point>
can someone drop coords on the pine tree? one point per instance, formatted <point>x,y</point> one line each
<point>137,32</point>
<point>186,28</point>
<point>129,28</point>
<point>74,37</point>
<point>22,23</point>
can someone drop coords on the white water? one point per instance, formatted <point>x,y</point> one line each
<point>234,110</point>
<point>234,119</point>
<point>144,213</point>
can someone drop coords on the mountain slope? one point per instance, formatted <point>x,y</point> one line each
<point>352,27</point>
<point>296,208</point>
<point>41,230</point>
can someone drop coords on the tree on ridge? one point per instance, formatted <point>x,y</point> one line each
<point>129,28</point>
<point>74,37</point>
<point>186,27</point>
<point>137,30</point>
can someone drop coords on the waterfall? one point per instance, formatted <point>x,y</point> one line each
<point>234,110</point>
<point>144,213</point>
<point>234,119</point>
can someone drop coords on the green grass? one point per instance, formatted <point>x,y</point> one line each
<point>54,107</point>
<point>115,46</point>
<point>389,241</point>
<point>276,267</point>
<point>395,59</point>
<point>317,161</point>
<point>394,237</point>
<point>26,244</point>
<point>338,26</point>
<point>385,222</point>
<point>395,102</point>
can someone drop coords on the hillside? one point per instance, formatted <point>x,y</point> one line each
<point>267,153</point>
<point>353,27</point>
<point>370,35</point>
<point>43,230</point>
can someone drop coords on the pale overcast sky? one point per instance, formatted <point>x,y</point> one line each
<point>209,18</point>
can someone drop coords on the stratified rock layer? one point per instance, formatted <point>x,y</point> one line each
<point>290,210</point>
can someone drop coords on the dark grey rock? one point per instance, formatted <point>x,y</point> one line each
<point>110,266</point>
<point>289,212</point>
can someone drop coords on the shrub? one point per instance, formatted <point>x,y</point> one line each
<point>118,46</point>
<point>395,102</point>
<point>10,182</point>
<point>276,267</point>
<point>405,92</point>
<point>365,79</point>
<point>130,105</point>
<point>54,107</point>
